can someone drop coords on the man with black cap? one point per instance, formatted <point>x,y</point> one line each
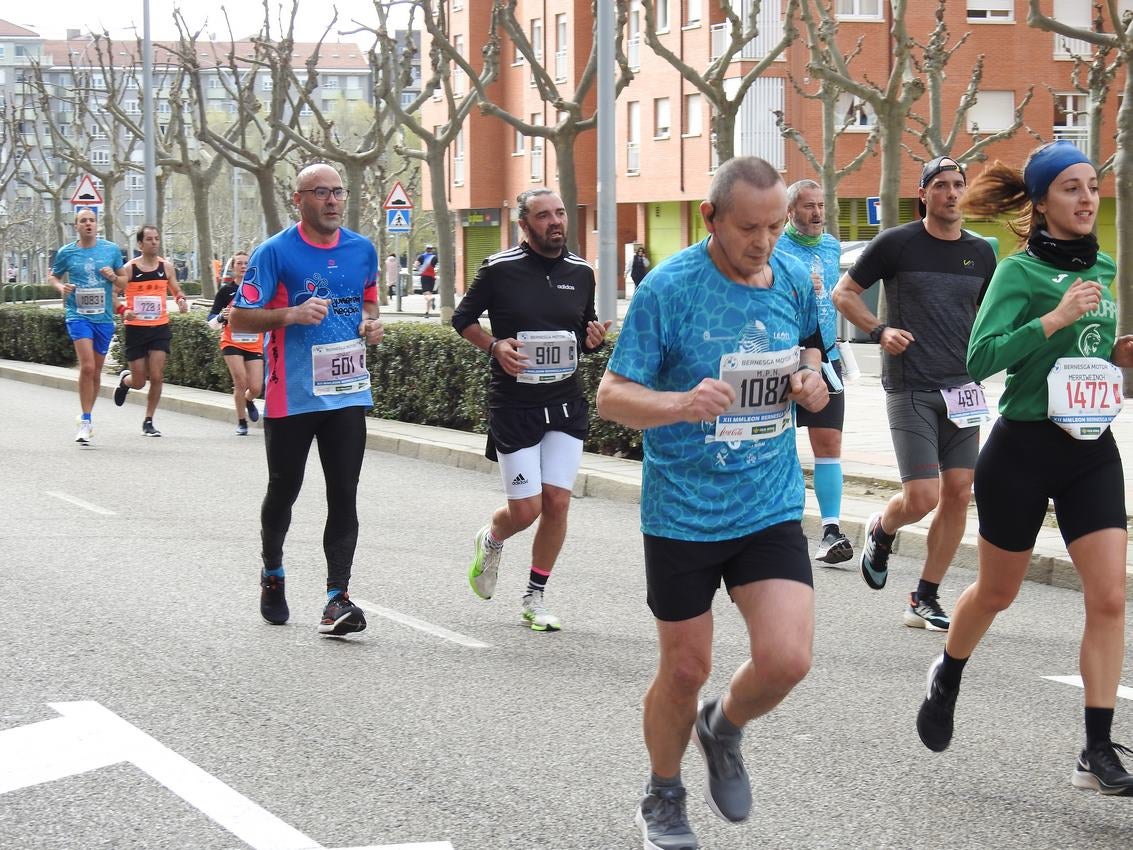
<point>427,268</point>
<point>934,273</point>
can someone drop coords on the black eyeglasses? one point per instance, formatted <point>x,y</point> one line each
<point>322,192</point>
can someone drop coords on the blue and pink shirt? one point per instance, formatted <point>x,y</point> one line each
<point>319,367</point>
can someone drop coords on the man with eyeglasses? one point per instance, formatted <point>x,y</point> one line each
<point>313,288</point>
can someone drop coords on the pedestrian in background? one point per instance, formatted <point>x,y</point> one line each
<point>1049,320</point>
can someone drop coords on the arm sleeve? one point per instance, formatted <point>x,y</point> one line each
<point>475,301</point>
<point>997,340</point>
<point>222,300</point>
<point>370,288</point>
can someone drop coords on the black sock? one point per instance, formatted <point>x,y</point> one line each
<point>1099,721</point>
<point>537,580</point>
<point>833,528</point>
<point>927,590</point>
<point>950,671</point>
<point>243,422</point>
<point>882,536</point>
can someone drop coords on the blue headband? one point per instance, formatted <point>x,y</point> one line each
<point>1048,163</point>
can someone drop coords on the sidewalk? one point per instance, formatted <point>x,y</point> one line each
<point>867,458</point>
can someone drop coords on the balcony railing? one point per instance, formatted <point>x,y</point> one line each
<point>537,164</point>
<point>1065,48</point>
<point>1080,136</point>
<point>633,51</point>
<point>458,171</point>
<point>560,65</point>
<point>633,158</point>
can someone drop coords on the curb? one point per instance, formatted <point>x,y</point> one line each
<point>599,476</point>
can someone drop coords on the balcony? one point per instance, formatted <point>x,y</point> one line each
<point>560,66</point>
<point>1068,48</point>
<point>633,158</point>
<point>537,164</point>
<point>633,52</point>
<point>1080,136</point>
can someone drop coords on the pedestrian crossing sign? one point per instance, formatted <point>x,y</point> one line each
<point>397,221</point>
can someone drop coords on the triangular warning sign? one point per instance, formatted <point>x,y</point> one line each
<point>397,199</point>
<point>86,194</point>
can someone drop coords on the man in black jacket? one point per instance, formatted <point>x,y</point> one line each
<point>540,302</point>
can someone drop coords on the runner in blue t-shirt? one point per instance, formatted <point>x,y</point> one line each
<point>314,288</point>
<point>90,266</point>
<point>806,239</point>
<point>708,363</point>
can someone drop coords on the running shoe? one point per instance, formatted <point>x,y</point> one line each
<point>1099,769</point>
<point>121,390</point>
<point>536,615</point>
<point>253,412</point>
<point>341,617</point>
<point>875,555</point>
<point>485,567</point>
<point>727,789</point>
<point>148,430</point>
<point>86,429</point>
<point>934,720</point>
<point>273,600</point>
<point>663,822</point>
<point>925,613</point>
<point>835,547</point>
<point>241,430</point>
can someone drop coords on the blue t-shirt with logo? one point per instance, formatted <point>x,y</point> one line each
<point>683,318</point>
<point>81,266</point>
<point>829,253</point>
<point>313,367</point>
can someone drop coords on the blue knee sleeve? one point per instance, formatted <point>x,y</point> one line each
<point>828,488</point>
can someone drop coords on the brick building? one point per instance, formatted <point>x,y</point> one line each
<point>664,149</point>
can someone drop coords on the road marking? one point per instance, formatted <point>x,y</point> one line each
<point>420,625</point>
<point>88,736</point>
<point>80,503</point>
<point>1076,681</point>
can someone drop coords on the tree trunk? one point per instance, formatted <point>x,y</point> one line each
<point>446,262</point>
<point>265,182</point>
<point>568,183</point>
<point>198,184</point>
<point>723,124</point>
<point>355,174</point>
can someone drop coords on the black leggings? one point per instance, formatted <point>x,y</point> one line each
<point>342,441</point>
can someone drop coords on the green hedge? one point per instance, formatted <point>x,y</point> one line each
<point>18,293</point>
<point>421,373</point>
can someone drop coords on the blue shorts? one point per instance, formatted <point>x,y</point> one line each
<point>99,333</point>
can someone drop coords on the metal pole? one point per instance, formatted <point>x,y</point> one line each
<point>608,266</point>
<point>397,253</point>
<point>147,119</point>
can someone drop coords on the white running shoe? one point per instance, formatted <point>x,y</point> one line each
<point>485,566</point>
<point>86,429</point>
<point>536,615</point>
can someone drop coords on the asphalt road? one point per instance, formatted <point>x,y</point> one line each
<point>129,582</point>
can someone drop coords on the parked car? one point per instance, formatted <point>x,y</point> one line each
<point>404,275</point>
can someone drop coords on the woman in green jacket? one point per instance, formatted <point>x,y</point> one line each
<point>1049,319</point>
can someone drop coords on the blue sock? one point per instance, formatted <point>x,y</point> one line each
<point>332,592</point>
<point>828,488</point>
<point>86,417</point>
<point>277,573</point>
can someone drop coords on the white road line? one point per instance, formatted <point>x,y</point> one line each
<point>89,736</point>
<point>420,625</point>
<point>80,503</point>
<point>1076,681</point>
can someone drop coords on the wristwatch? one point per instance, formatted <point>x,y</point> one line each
<point>875,334</point>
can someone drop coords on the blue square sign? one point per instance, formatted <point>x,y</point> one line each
<point>398,220</point>
<point>873,210</point>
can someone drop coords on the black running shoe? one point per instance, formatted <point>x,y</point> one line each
<point>934,720</point>
<point>148,430</point>
<point>121,390</point>
<point>1099,769</point>
<point>341,617</point>
<point>273,601</point>
<point>875,555</point>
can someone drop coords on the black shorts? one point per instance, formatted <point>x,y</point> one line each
<point>831,416</point>
<point>1023,465</point>
<point>681,576</point>
<point>427,284</point>
<point>140,340</point>
<point>513,428</point>
<point>232,350</point>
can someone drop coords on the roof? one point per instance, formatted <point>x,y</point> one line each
<point>10,30</point>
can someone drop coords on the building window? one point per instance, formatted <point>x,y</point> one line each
<point>633,40</point>
<point>97,131</point>
<point>100,157</point>
<point>331,82</point>
<point>1071,119</point>
<point>457,71</point>
<point>560,48</point>
<point>994,111</point>
<point>537,150</point>
<point>520,143</point>
<point>853,114</point>
<point>662,15</point>
<point>991,11</point>
<point>633,137</point>
<point>1074,13</point>
<point>692,13</point>
<point>267,84</point>
<point>458,159</point>
<point>135,181</point>
<point>692,122</point>
<point>859,9</point>
<point>661,118</point>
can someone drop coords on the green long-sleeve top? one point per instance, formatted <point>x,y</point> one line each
<point>1008,333</point>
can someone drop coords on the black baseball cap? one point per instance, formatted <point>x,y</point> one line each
<point>931,169</point>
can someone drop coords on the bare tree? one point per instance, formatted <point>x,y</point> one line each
<point>829,172</point>
<point>1118,38</point>
<point>433,142</point>
<point>942,128</point>
<point>572,115</point>
<point>711,82</point>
